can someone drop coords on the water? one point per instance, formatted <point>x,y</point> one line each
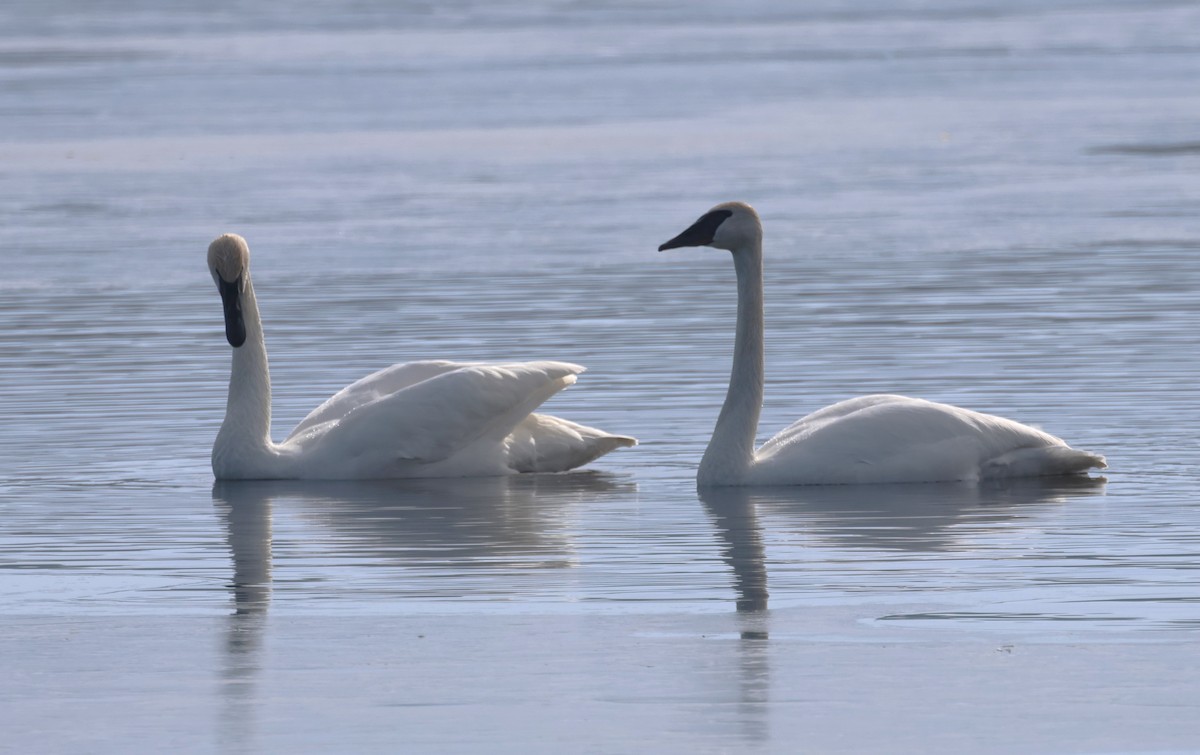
<point>990,204</point>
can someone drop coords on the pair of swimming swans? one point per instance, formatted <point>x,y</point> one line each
<point>450,419</point>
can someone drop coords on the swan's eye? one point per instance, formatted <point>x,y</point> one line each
<point>713,220</point>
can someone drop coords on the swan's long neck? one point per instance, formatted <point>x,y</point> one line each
<point>730,453</point>
<point>245,435</point>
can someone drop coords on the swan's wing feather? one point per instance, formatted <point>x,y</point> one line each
<point>435,418</point>
<point>542,443</point>
<point>375,386</point>
<point>896,438</point>
<point>841,409</point>
<point>873,424</point>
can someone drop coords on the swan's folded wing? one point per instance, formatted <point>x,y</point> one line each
<point>375,386</point>
<point>850,411</point>
<point>437,417</point>
<point>873,427</point>
<point>893,439</point>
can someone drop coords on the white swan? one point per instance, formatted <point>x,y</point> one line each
<point>870,439</point>
<point>421,419</point>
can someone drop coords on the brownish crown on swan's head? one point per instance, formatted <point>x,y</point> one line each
<point>737,208</point>
<point>229,257</point>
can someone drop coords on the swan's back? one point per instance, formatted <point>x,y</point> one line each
<point>886,438</point>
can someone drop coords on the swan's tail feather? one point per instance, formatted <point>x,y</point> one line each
<point>542,443</point>
<point>1043,461</point>
<point>506,423</point>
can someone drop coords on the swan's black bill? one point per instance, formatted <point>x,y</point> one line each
<point>231,297</point>
<point>701,232</point>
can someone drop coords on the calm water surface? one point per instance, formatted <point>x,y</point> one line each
<point>993,205</point>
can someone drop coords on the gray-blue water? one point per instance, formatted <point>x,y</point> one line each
<point>994,204</point>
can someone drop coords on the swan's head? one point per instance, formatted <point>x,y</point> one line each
<point>229,263</point>
<point>730,225</point>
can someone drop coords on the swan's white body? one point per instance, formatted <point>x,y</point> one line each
<point>421,419</point>
<point>887,438</point>
<point>871,439</point>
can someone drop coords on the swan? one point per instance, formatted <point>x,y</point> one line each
<point>419,419</point>
<point>869,439</point>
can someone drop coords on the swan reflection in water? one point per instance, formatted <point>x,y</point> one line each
<point>248,532</point>
<point>451,524</point>
<point>907,517</point>
<point>515,522</point>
